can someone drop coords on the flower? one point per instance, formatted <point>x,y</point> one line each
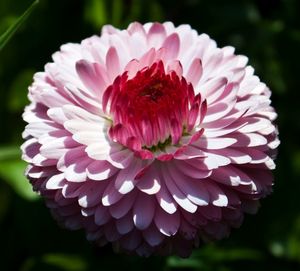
<point>150,138</point>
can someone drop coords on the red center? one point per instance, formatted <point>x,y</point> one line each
<point>153,94</point>
<point>150,109</point>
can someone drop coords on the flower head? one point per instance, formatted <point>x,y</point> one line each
<point>151,138</point>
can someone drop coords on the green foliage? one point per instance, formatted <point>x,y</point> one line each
<point>12,171</point>
<point>267,31</point>
<point>95,12</point>
<point>5,37</point>
<point>65,262</point>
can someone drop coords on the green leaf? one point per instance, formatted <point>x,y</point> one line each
<point>176,262</point>
<point>17,99</point>
<point>65,262</point>
<point>12,171</point>
<point>117,12</point>
<point>155,12</point>
<point>211,257</point>
<point>95,13</point>
<point>293,245</point>
<point>5,37</point>
<point>9,152</point>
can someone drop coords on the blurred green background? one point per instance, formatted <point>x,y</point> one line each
<point>267,31</point>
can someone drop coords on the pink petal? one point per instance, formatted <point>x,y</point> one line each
<point>125,224</point>
<point>165,200</point>
<point>122,207</point>
<point>214,143</point>
<point>91,76</point>
<point>177,194</point>
<point>126,178</point>
<point>153,236</point>
<point>89,194</point>
<point>101,215</point>
<point>172,46</point>
<point>192,189</point>
<point>112,63</point>
<point>56,181</point>
<point>131,241</point>
<point>218,198</point>
<point>195,72</point>
<point>167,224</point>
<point>110,195</point>
<point>100,170</point>
<point>143,211</point>
<point>248,140</point>
<point>156,35</point>
<point>149,183</point>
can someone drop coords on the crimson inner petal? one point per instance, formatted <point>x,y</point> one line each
<point>151,109</point>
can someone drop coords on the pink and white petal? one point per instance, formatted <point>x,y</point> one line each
<point>191,168</point>
<point>40,172</point>
<point>248,140</point>
<point>136,27</point>
<point>149,182</point>
<point>57,115</point>
<point>172,46</point>
<point>165,199</point>
<point>77,172</point>
<point>99,151</point>
<point>126,178</point>
<point>30,149</point>
<point>111,195</point>
<point>100,170</point>
<point>167,224</point>
<point>91,76</point>
<point>57,181</point>
<point>255,124</point>
<point>214,143</point>
<point>217,195</point>
<point>119,156</point>
<point>188,152</point>
<point>194,73</point>
<point>236,156</point>
<point>82,99</point>
<point>213,89</point>
<point>156,35</point>
<point>143,211</point>
<point>90,194</point>
<point>123,206</point>
<point>112,63</point>
<point>213,161</point>
<point>230,123</point>
<point>71,190</point>
<point>231,175</point>
<point>74,112</point>
<point>71,157</point>
<point>91,136</point>
<point>38,129</point>
<point>193,189</point>
<point>176,193</point>
<point>175,66</point>
<point>54,148</point>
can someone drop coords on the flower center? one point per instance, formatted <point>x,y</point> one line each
<point>151,110</point>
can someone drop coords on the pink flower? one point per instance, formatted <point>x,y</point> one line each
<point>151,138</point>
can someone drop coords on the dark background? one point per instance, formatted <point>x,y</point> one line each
<point>267,31</point>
